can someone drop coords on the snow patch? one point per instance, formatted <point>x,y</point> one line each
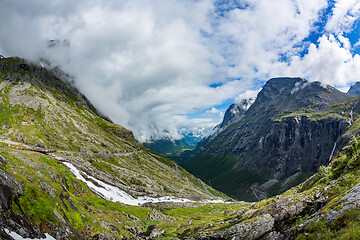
<point>115,194</point>
<point>16,236</point>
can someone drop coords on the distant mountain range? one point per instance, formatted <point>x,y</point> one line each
<point>173,149</point>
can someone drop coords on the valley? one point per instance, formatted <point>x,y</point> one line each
<point>293,127</point>
<point>97,182</point>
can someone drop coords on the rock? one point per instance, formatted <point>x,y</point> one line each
<point>131,216</point>
<point>274,236</point>
<point>355,89</point>
<point>155,215</point>
<point>135,231</point>
<point>3,160</point>
<point>9,186</point>
<point>286,208</point>
<point>349,201</point>
<point>105,236</point>
<point>155,233</point>
<point>247,230</point>
<point>47,188</point>
<point>59,217</point>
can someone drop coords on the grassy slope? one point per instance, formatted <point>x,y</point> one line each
<point>48,185</point>
<point>82,208</point>
<point>64,122</point>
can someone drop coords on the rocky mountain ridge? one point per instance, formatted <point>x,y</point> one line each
<point>355,89</point>
<point>283,138</point>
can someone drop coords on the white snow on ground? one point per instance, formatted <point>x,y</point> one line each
<point>16,236</point>
<point>115,194</point>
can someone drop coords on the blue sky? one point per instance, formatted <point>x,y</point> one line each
<point>161,68</point>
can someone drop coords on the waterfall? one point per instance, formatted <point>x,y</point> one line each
<point>332,152</point>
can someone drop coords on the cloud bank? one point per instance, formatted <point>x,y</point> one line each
<point>162,67</point>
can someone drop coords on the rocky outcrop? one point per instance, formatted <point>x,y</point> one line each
<point>10,192</point>
<point>247,230</point>
<point>9,187</point>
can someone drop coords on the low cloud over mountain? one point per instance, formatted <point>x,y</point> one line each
<point>160,67</point>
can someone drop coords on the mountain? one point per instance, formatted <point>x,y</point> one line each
<point>355,89</point>
<point>67,171</point>
<point>233,114</point>
<point>173,149</point>
<point>292,128</point>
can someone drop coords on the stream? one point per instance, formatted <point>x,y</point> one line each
<point>351,113</point>
<point>115,194</point>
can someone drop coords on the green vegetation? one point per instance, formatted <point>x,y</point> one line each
<point>340,109</point>
<point>346,226</point>
<point>54,199</point>
<point>170,149</point>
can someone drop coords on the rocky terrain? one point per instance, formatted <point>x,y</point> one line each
<point>282,139</point>
<point>101,184</point>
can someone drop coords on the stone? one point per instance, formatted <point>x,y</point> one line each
<point>247,230</point>
<point>155,233</point>
<point>59,217</point>
<point>105,236</point>
<point>9,186</point>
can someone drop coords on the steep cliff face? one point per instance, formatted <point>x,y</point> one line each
<point>234,113</point>
<point>289,131</point>
<point>355,89</point>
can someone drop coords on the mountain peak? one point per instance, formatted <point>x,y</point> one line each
<point>290,94</point>
<point>355,89</point>
<point>282,86</point>
<point>235,111</point>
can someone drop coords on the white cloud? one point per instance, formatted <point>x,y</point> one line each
<point>247,95</point>
<point>344,14</point>
<point>149,65</point>
<point>141,63</point>
<point>214,111</point>
<point>328,62</point>
<point>254,38</point>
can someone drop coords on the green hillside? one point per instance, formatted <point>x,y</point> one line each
<point>74,192</point>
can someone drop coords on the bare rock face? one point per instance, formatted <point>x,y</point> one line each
<point>350,201</point>
<point>287,208</point>
<point>9,186</point>
<point>247,230</point>
<point>10,191</point>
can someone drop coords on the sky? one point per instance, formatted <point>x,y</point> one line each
<point>166,68</point>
